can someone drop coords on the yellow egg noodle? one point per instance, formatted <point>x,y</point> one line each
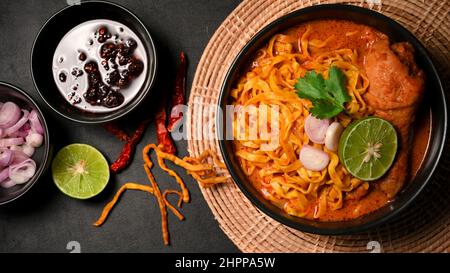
<point>270,83</point>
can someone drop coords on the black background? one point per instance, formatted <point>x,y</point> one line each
<point>44,220</point>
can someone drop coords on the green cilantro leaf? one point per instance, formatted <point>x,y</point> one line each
<point>336,84</point>
<point>324,109</point>
<point>311,86</point>
<point>327,96</point>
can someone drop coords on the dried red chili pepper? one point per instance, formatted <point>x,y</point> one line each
<point>163,135</point>
<point>128,149</point>
<point>178,96</point>
<point>116,131</point>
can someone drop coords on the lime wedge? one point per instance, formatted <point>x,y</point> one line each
<point>367,148</point>
<point>80,171</point>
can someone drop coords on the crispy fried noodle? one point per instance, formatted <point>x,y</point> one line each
<point>198,168</point>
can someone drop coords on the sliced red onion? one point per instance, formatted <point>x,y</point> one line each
<point>23,131</point>
<point>333,136</point>
<point>16,167</point>
<point>6,157</point>
<point>7,142</point>
<point>9,114</point>
<point>22,172</point>
<point>36,125</point>
<point>16,148</point>
<point>34,139</point>
<point>8,184</point>
<point>19,124</point>
<point>28,150</point>
<point>20,133</point>
<point>4,174</point>
<point>19,157</point>
<point>313,159</point>
<point>316,129</point>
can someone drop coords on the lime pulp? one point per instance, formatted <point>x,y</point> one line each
<point>367,148</point>
<point>80,171</point>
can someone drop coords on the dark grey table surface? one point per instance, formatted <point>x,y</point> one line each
<point>44,220</point>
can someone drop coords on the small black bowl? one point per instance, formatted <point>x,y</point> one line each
<point>434,96</point>
<point>56,28</point>
<point>42,155</point>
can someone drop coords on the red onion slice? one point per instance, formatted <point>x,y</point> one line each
<point>28,150</point>
<point>316,129</point>
<point>6,157</point>
<point>8,184</point>
<point>24,131</point>
<point>9,114</point>
<point>333,136</point>
<point>16,148</point>
<point>36,125</point>
<point>16,127</point>
<point>4,174</point>
<point>19,136</point>
<point>313,159</point>
<point>34,140</point>
<point>8,142</point>
<point>22,172</point>
<point>19,157</point>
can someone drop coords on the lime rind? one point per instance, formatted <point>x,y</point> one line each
<point>80,185</point>
<point>353,148</point>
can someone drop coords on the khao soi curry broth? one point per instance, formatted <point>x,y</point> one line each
<point>381,80</point>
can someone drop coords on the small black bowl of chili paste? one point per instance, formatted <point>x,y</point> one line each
<point>93,62</point>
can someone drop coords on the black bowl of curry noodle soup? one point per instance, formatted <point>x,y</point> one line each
<point>382,54</point>
<point>94,62</point>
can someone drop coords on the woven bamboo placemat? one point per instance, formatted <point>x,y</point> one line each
<point>424,226</point>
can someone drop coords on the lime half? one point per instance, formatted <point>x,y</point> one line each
<point>367,148</point>
<point>80,171</point>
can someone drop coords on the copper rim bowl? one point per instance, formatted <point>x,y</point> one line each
<point>434,96</point>
<point>42,156</point>
<point>54,30</point>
